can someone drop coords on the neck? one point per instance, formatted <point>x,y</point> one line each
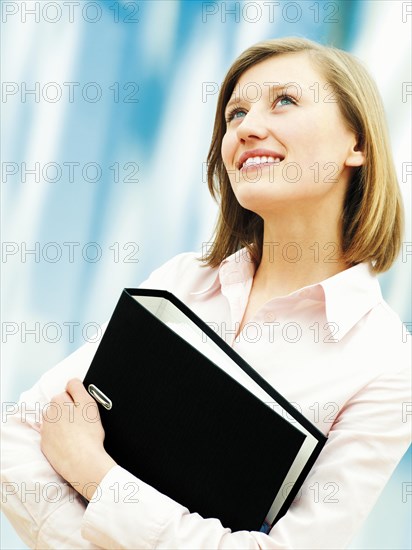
<point>300,248</point>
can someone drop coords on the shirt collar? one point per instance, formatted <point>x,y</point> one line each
<point>236,268</point>
<point>347,296</point>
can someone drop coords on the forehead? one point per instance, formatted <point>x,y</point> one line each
<point>280,69</point>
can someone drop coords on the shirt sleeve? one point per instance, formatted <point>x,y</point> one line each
<point>43,508</point>
<point>367,440</point>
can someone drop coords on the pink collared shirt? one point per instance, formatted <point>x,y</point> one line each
<point>335,349</point>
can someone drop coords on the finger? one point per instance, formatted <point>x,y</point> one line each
<point>62,397</point>
<point>77,391</point>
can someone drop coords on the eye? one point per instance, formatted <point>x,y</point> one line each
<point>281,99</point>
<point>284,99</point>
<point>233,114</point>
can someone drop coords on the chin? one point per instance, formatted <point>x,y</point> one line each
<point>259,198</point>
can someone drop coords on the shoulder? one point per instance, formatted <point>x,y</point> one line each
<point>386,323</point>
<point>182,274</point>
<point>386,340</point>
<point>371,328</point>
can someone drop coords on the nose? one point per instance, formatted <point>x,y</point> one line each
<point>253,126</point>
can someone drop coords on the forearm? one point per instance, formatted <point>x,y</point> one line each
<point>43,507</point>
<point>86,479</point>
<point>365,444</point>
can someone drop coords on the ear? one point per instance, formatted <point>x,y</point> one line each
<point>356,156</point>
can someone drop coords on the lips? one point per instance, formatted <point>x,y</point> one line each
<point>272,157</point>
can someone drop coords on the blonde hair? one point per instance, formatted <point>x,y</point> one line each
<point>372,216</point>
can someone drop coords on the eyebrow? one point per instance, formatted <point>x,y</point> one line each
<point>276,86</point>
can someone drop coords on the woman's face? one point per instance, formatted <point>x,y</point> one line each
<point>286,139</point>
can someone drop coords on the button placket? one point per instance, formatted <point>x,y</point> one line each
<point>237,293</point>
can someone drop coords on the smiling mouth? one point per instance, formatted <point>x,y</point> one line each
<point>254,162</point>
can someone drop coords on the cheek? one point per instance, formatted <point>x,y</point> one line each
<point>227,149</point>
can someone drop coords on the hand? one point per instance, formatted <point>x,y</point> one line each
<point>72,438</point>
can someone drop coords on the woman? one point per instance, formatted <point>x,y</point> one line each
<point>310,213</point>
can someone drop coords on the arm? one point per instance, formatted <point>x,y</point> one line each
<point>365,443</point>
<point>367,440</point>
<point>43,508</point>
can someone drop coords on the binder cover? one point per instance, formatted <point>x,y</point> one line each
<point>176,419</point>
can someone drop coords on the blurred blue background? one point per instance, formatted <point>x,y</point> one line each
<point>107,113</point>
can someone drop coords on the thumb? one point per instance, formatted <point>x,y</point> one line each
<point>77,391</point>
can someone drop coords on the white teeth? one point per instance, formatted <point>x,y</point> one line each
<point>261,160</point>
